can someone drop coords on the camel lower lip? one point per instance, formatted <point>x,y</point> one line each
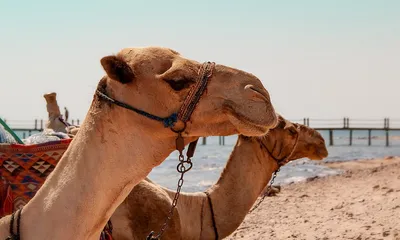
<point>321,156</point>
<point>259,127</point>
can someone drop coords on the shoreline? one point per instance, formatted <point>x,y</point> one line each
<point>361,203</point>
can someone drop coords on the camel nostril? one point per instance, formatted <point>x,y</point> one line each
<point>258,93</point>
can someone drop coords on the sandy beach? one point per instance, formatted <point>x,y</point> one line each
<point>361,203</point>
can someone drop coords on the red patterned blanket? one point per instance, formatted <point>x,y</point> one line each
<point>23,170</point>
<point>25,167</point>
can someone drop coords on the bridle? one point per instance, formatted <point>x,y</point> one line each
<point>184,114</point>
<point>205,72</point>
<point>280,163</point>
<point>187,108</point>
<point>286,159</point>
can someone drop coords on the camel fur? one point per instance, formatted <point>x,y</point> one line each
<point>246,174</point>
<point>116,148</point>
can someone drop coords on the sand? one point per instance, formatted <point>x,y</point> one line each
<point>361,203</point>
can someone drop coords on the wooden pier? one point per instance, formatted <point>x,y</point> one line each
<point>360,126</point>
<point>323,125</point>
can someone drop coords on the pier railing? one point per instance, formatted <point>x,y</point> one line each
<point>347,123</point>
<point>387,125</point>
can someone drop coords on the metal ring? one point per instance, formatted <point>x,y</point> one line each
<point>180,130</point>
<point>182,168</point>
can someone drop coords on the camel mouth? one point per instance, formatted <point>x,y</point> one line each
<point>319,155</point>
<point>316,158</point>
<point>248,126</point>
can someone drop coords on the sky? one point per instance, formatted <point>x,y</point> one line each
<point>318,59</point>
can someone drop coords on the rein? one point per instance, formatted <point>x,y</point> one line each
<point>17,235</point>
<point>280,163</point>
<point>63,121</point>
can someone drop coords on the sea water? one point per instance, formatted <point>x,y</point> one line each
<point>210,159</point>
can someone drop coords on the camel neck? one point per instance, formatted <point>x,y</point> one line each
<point>245,176</point>
<point>96,173</point>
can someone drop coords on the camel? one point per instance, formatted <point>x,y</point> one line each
<point>151,102</point>
<point>55,120</point>
<point>248,171</point>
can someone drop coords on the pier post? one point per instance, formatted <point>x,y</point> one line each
<point>35,123</point>
<point>369,137</point>
<point>348,122</point>
<point>73,122</point>
<point>304,122</point>
<point>77,121</point>
<point>219,140</point>
<point>351,137</point>
<point>204,141</point>
<point>41,124</point>
<point>330,137</point>
<point>344,122</point>
<point>387,138</point>
<point>308,122</point>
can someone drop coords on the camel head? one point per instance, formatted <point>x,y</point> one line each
<point>287,137</point>
<point>52,105</point>
<point>53,110</point>
<point>50,97</point>
<point>157,81</point>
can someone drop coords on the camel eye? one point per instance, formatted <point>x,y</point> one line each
<point>178,85</point>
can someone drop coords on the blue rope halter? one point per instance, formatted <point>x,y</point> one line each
<point>186,109</point>
<point>168,121</point>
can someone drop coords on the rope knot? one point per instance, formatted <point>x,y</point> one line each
<point>171,120</point>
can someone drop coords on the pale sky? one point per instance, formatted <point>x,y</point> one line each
<point>318,59</point>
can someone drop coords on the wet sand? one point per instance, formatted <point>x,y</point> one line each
<point>361,203</point>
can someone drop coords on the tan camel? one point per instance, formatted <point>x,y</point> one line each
<point>116,148</point>
<point>53,110</point>
<point>54,122</point>
<point>247,172</point>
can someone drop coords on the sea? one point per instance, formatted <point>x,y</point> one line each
<point>210,159</point>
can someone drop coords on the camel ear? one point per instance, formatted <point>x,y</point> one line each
<point>117,69</point>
